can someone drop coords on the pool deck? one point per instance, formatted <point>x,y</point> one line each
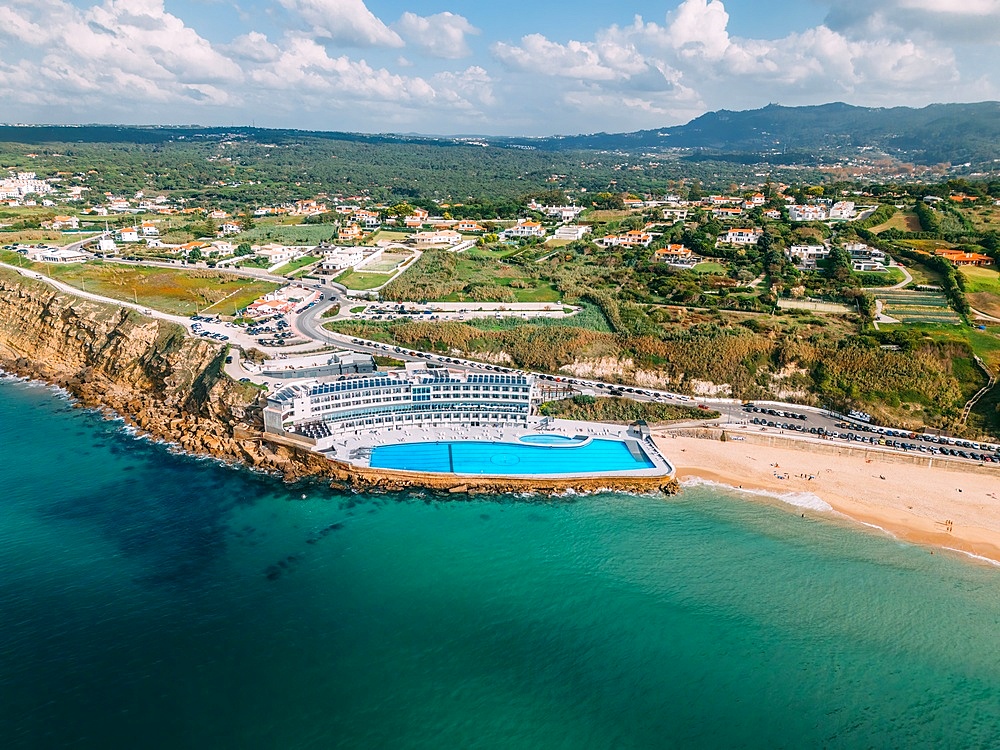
<point>355,449</point>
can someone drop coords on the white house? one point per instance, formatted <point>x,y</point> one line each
<point>230,227</point>
<point>807,213</point>
<point>524,229</point>
<point>675,214</point>
<point>807,256</point>
<point>741,236</point>
<point>106,245</point>
<point>220,249</point>
<point>275,253</point>
<point>444,237</point>
<point>843,211</point>
<point>65,222</point>
<point>339,258</point>
<point>628,239</point>
<point>128,234</point>
<point>149,229</point>
<point>571,232</point>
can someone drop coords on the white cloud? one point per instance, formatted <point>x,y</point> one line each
<point>648,70</point>
<point>347,22</point>
<point>132,49</point>
<point>962,21</point>
<point>441,35</point>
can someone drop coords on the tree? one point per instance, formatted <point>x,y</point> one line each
<point>244,249</point>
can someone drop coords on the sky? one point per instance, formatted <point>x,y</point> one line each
<point>491,67</point>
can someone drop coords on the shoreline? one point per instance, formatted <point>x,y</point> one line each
<point>940,506</point>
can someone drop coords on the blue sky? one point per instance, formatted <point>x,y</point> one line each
<point>473,66</point>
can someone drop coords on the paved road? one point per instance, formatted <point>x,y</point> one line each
<point>309,325</point>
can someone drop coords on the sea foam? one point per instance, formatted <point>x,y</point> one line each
<point>806,500</point>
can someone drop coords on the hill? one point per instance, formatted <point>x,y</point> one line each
<point>955,133</point>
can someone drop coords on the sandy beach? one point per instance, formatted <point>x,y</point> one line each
<point>946,505</point>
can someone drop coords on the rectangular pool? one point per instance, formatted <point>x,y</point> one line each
<point>510,459</point>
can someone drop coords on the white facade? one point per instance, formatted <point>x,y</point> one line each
<point>444,237</point>
<point>276,253</point>
<point>806,257</point>
<point>337,259</point>
<point>57,255</point>
<point>742,236</point>
<point>571,232</point>
<point>844,211</point>
<point>808,213</point>
<point>411,397</point>
<point>524,229</point>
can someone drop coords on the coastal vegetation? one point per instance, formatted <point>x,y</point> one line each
<point>620,410</point>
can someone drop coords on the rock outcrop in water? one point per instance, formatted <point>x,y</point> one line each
<point>173,387</point>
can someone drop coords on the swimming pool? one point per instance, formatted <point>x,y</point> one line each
<point>560,441</point>
<point>510,459</point>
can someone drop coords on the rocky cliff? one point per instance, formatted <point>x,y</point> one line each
<point>173,386</point>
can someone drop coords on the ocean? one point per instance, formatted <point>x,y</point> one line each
<point>155,600</point>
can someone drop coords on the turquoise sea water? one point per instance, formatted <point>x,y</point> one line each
<point>156,601</point>
<point>508,459</point>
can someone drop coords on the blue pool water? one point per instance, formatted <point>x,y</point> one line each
<point>507,459</point>
<point>560,440</point>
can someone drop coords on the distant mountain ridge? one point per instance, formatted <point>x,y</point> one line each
<point>953,133</point>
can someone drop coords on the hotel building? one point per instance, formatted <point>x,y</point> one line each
<point>416,396</point>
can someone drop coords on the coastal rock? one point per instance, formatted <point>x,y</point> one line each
<point>174,387</point>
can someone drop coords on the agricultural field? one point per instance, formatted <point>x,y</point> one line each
<point>982,287</point>
<point>473,276</point>
<point>910,307</point>
<point>984,218</point>
<point>905,221</point>
<point>43,237</point>
<point>287,234</point>
<point>177,291</point>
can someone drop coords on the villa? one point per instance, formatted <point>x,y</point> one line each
<point>807,257</point>
<point>674,255</point>
<point>741,236</point>
<point>571,232</point>
<point>961,258</point>
<point>339,258</point>
<point>524,229</point>
<point>628,239</point>
<point>444,237</point>
<point>808,213</point>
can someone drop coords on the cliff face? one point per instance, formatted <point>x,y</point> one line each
<point>173,387</point>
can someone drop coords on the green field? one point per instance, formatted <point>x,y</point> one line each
<point>285,234</point>
<point>709,267</point>
<point>981,279</point>
<point>388,234</point>
<point>181,292</point>
<point>295,265</point>
<point>361,281</point>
